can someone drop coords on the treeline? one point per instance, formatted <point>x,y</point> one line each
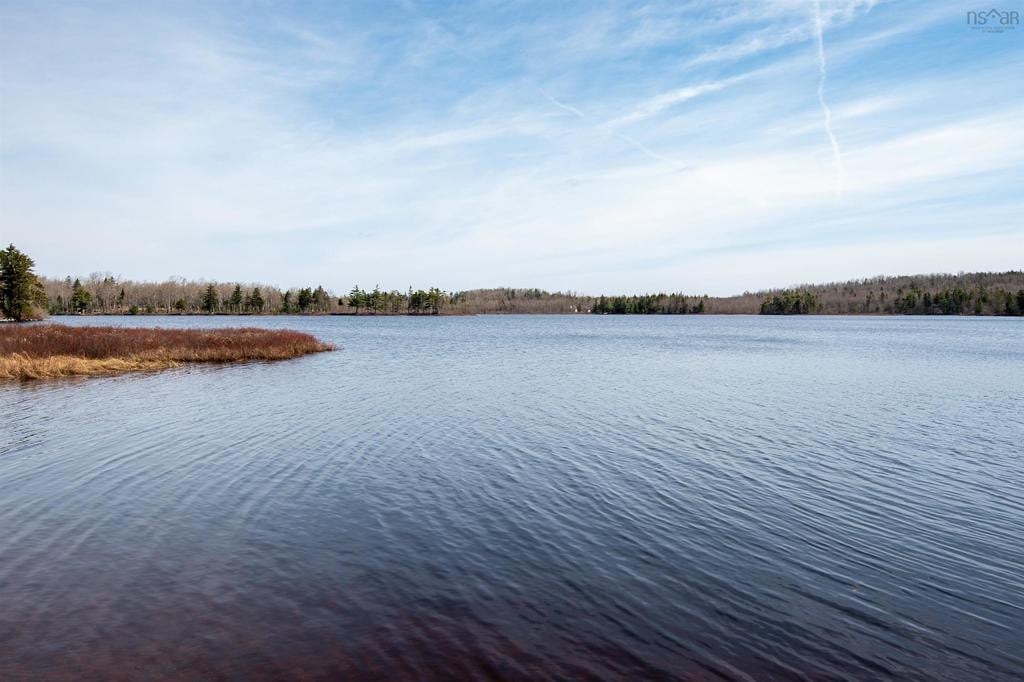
<point>105,294</point>
<point>420,302</point>
<point>512,301</point>
<point>984,293</point>
<point>647,304</point>
<point>789,302</point>
<point>960,302</point>
<point>937,294</point>
<point>981,293</point>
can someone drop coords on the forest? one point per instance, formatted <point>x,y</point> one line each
<point>22,293</point>
<point>963,294</point>
<point>647,304</point>
<point>789,302</point>
<point>981,293</point>
<point>105,294</point>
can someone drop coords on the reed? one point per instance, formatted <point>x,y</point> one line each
<point>52,350</point>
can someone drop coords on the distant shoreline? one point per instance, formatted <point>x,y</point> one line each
<point>54,318</point>
<point>982,293</point>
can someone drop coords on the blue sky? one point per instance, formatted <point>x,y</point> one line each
<point>626,146</point>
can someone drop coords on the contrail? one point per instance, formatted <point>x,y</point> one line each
<point>837,160</point>
<point>561,105</point>
<point>622,136</point>
<point>650,152</point>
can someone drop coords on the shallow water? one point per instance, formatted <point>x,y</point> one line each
<point>528,497</point>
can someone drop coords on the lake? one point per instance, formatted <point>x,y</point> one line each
<point>563,497</point>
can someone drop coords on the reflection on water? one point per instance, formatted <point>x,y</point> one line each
<point>528,497</point>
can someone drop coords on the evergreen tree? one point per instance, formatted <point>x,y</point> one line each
<point>305,299</point>
<point>356,298</point>
<point>80,297</point>
<point>21,292</point>
<point>236,299</point>
<point>791,303</point>
<point>374,301</point>
<point>321,301</point>
<point>436,299</point>
<point>210,299</point>
<point>255,302</point>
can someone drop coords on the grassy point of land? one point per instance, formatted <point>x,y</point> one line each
<point>53,350</point>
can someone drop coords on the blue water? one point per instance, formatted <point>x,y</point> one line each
<point>528,497</point>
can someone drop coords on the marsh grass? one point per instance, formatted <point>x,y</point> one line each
<point>52,350</point>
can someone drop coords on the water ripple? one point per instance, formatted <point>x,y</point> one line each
<point>529,498</point>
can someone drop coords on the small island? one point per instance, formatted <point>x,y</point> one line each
<point>51,350</point>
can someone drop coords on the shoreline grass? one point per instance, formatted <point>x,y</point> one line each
<point>53,350</point>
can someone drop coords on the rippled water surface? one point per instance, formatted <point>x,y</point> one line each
<point>528,497</point>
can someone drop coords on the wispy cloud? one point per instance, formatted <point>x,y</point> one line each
<point>480,144</point>
<point>659,103</point>
<point>562,105</point>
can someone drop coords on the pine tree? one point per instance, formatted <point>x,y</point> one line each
<point>255,302</point>
<point>210,299</point>
<point>356,298</point>
<point>305,299</point>
<point>321,300</point>
<point>236,299</point>
<point>375,303</point>
<point>80,297</point>
<point>436,300</point>
<point>21,293</point>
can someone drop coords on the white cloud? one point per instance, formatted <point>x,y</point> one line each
<point>155,142</point>
<point>659,103</point>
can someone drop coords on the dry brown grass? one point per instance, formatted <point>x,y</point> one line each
<point>51,350</point>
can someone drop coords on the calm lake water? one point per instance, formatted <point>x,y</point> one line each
<point>528,497</point>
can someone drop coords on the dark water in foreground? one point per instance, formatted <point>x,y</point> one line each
<point>528,497</point>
